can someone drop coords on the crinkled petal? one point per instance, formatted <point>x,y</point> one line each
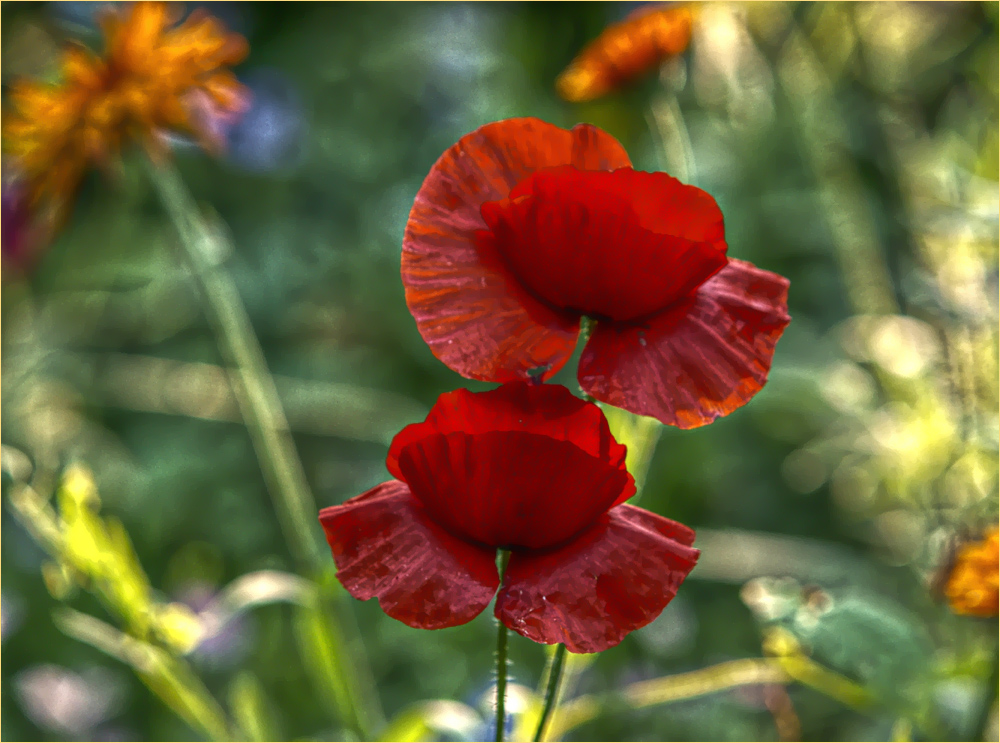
<point>385,546</point>
<point>620,245</point>
<point>548,409</point>
<point>511,489</point>
<point>468,307</point>
<point>699,360</point>
<point>614,578</point>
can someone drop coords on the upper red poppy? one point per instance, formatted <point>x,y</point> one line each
<point>528,468</point>
<point>522,228</point>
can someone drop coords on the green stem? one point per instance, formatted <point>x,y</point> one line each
<point>202,247</point>
<point>640,435</point>
<point>551,691</point>
<point>501,677</point>
<point>647,433</point>
<point>982,720</point>
<point>501,657</point>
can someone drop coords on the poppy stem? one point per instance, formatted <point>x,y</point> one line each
<point>502,561</point>
<point>639,434</point>
<point>552,691</point>
<point>501,677</point>
<point>645,435</point>
<point>982,720</point>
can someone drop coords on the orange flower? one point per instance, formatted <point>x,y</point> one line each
<point>626,50</point>
<point>972,586</point>
<point>152,78</point>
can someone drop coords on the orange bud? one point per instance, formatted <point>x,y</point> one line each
<point>972,586</point>
<point>626,50</point>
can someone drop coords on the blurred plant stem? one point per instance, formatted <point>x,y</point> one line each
<point>332,661</point>
<point>981,722</point>
<point>502,559</point>
<point>553,683</point>
<point>782,709</point>
<point>728,675</point>
<point>824,139</point>
<point>666,124</point>
<point>200,390</point>
<point>788,653</point>
<point>810,673</point>
<point>640,435</point>
<point>902,731</point>
<point>747,672</point>
<point>168,677</point>
<point>250,710</point>
<point>204,246</point>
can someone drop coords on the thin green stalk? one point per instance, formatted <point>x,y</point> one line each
<point>859,250</point>
<point>326,655</point>
<point>202,246</point>
<point>640,435</point>
<point>679,687</point>
<point>501,657</point>
<point>645,435</point>
<point>552,691</point>
<point>982,719</point>
<point>501,677</point>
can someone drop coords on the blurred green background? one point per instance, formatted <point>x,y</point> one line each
<point>852,148</point>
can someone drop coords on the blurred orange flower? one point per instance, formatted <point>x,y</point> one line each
<point>626,50</point>
<point>154,76</point>
<point>972,586</point>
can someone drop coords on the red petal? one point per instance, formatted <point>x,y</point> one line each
<point>511,489</point>
<point>548,409</point>
<point>468,307</point>
<point>620,245</point>
<point>699,360</point>
<point>616,577</point>
<point>385,545</point>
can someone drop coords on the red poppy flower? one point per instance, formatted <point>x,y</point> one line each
<point>528,468</point>
<point>522,228</point>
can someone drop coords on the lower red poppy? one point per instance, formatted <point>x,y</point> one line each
<point>527,468</point>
